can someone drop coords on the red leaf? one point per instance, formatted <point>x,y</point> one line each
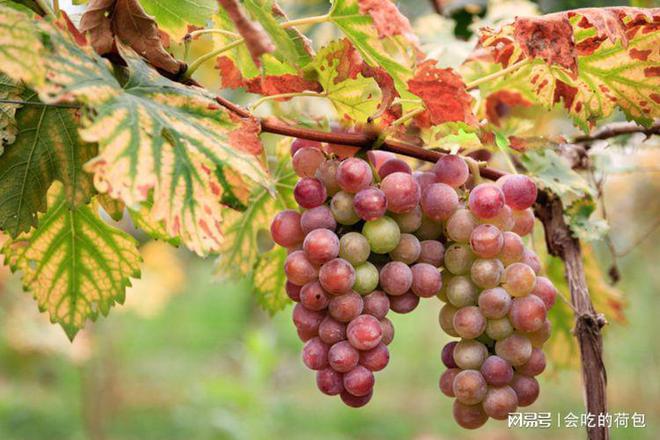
<point>444,95</point>
<point>499,104</point>
<point>387,19</point>
<point>549,37</point>
<point>246,137</point>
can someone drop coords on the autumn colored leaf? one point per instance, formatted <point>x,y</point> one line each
<point>20,47</point>
<point>174,16</point>
<point>10,91</point>
<point>113,207</point>
<point>74,264</point>
<point>256,39</point>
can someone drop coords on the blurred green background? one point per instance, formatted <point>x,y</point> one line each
<point>193,357</point>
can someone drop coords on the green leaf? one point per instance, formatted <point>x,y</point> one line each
<point>47,148</point>
<point>580,216</point>
<point>174,16</point>
<point>20,47</point>
<point>74,264</point>
<point>9,90</point>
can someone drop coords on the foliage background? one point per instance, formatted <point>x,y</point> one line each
<point>193,357</point>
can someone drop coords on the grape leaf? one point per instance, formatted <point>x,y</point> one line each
<point>599,60</point>
<point>248,250</point>
<point>11,91</point>
<point>174,16</point>
<point>74,264</point>
<point>47,148</point>
<point>113,207</point>
<point>20,47</point>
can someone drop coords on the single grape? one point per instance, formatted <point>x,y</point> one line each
<point>527,313</point>
<point>429,229</point>
<point>343,357</point>
<point>458,259</point>
<point>309,192</point>
<point>388,331</point>
<point>285,229</point>
<point>305,335</point>
<point>446,319</point>
<point>342,209</point>
<point>327,174</point>
<point>317,218</point>
<point>307,320</point>
<point>298,269</point>
<point>469,416</point>
<point>297,144</point>
<point>451,170</point>
<point>375,359</point>
<point>359,381</point>
<point>496,371</point>
<point>354,248</point>
<point>426,280</point>
<point>366,278</point>
<point>424,179</point>
<point>405,303</point>
<point>486,200</point>
<point>346,307</point>
<point>519,191</point>
<point>376,304</point>
<point>516,349</point>
<point>447,381</point>
<point>292,291</point>
<point>448,354</point>
<point>532,260</point>
<point>535,365</point>
<point>503,220</point>
<point>402,192</point>
<point>337,276</point>
<point>408,249</point>
<point>321,246</point>
<point>526,388</point>
<point>460,225</point>
<point>486,241</point>
<point>393,166</point>
<point>545,290</point>
<point>519,279</point>
<point>499,402</point>
<point>332,331</point>
<point>540,336</point>
<point>469,323</point>
<point>396,278</point>
<point>329,381</point>
<point>494,303</point>
<point>461,292</point>
<point>498,329</point>
<point>370,203</point>
<point>431,252</point>
<point>354,401</point>
<point>313,297</point>
<point>382,234</point>
<point>315,354</point>
<point>469,387</point>
<point>470,354</point>
<point>409,221</point>
<point>377,158</point>
<point>307,160</point>
<point>439,201</point>
<point>512,248</point>
<point>486,273</point>
<point>523,222</point>
<point>354,174</point>
<point>364,332</point>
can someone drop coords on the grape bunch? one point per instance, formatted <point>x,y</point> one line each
<point>496,302</point>
<point>359,248</point>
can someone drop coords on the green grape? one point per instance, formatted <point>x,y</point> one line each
<point>382,234</point>
<point>366,278</point>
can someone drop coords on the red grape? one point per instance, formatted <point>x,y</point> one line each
<point>527,314</point>
<point>540,336</point>
<point>424,179</point>
<point>447,381</point>
<point>408,249</point>
<point>306,161</point>
<point>431,252</point>
<point>370,203</point>
<point>327,173</point>
<point>299,270</point>
<point>460,225</point>
<point>401,191</point>
<point>285,229</point>
<point>396,278</point>
<point>346,307</point>
<point>486,241</point>
<point>393,166</point>
<point>496,371</point>
<point>516,349</point>
<point>354,174</point>
<point>512,248</point>
<point>526,388</point>
<point>519,279</point>
<point>329,381</point>
<point>342,209</point>
<point>364,332</point>
<point>448,354</point>
<point>306,320</point>
<point>409,221</point>
<point>426,280</point>
<point>317,218</point>
<point>469,416</point>
<point>375,359</point>
<point>532,260</point>
<point>343,357</point>
<point>292,291</point>
<point>313,297</point>
<point>359,381</point>
<point>388,331</point>
<point>523,222</point>
<point>297,144</point>
<point>376,304</point>
<point>405,303</point>
<point>494,303</point>
<point>545,290</point>
<point>439,201</point>
<point>332,331</point>
<point>486,273</point>
<point>519,191</point>
<point>486,200</point>
<point>470,354</point>
<point>337,276</point>
<point>321,246</point>
<point>315,354</point>
<point>469,387</point>
<point>461,292</point>
<point>499,402</point>
<point>309,192</point>
<point>355,401</point>
<point>451,170</point>
<point>535,365</point>
<point>469,322</point>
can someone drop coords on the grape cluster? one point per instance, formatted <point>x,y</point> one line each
<point>496,302</point>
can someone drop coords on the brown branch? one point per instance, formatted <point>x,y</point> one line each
<point>588,323</point>
<point>617,129</point>
<point>256,39</point>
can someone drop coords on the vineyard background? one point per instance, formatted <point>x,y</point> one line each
<point>191,357</point>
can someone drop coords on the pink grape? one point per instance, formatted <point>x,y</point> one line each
<point>447,381</point>
<point>486,241</point>
<point>346,307</point>
<point>354,174</point>
<point>426,280</point>
<point>359,381</point>
<point>306,161</point>
<point>535,365</point>
<point>354,401</point>
<point>424,179</point>
<point>448,354</point>
<point>469,387</point>
<point>309,192</point>
<point>516,349</point>
<point>401,191</point>
<point>486,200</point>
<point>496,371</point>
<point>512,248</point>
<point>305,335</point>
<point>298,269</point>
<point>329,381</point>
<point>503,220</point>
<point>343,357</point>
<point>469,416</point>
<point>292,291</point>
<point>446,319</point>
<point>342,209</point>
<point>409,221</point>
<point>519,191</point>
<point>327,174</point>
<point>377,158</point>
<point>460,225</point>
<point>297,144</point>
<point>526,388</point>
<point>321,246</point>
<point>470,354</point>
<point>405,303</point>
<point>332,331</point>
<point>364,332</point>
<point>393,166</point>
<point>376,304</point>
<point>451,170</point>
<point>313,297</point>
<point>486,273</point>
<point>388,331</point>
<point>469,322</point>
<point>523,222</point>
<point>545,290</point>
<point>408,249</point>
<point>429,229</point>
<point>317,218</point>
<point>315,354</point>
<point>519,279</point>
<point>337,276</point>
<point>527,314</point>
<point>494,303</point>
<point>540,336</point>
<point>439,201</point>
<point>375,359</point>
<point>370,203</point>
<point>431,252</point>
<point>532,260</point>
<point>307,320</point>
<point>285,229</point>
<point>396,278</point>
<point>499,402</point>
